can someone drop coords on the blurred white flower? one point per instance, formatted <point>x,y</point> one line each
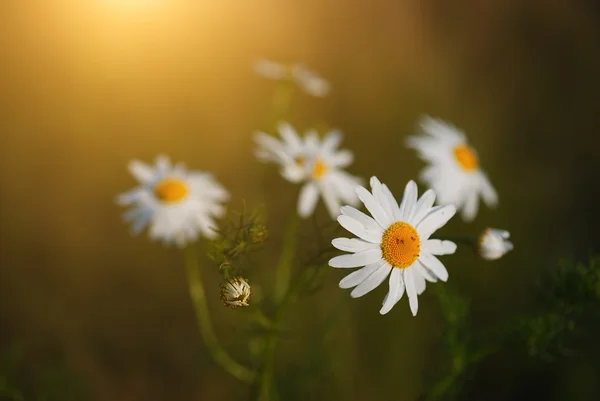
<point>453,170</point>
<point>395,240</point>
<point>236,292</point>
<point>318,164</point>
<point>493,243</point>
<point>308,80</point>
<point>176,203</point>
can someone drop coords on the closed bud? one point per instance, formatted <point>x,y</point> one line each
<point>493,243</point>
<point>236,292</point>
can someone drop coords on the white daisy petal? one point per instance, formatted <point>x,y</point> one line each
<point>488,193</point>
<point>409,200</point>
<point>373,207</point>
<point>382,198</point>
<point>392,202</point>
<point>289,135</point>
<point>395,293</point>
<point>358,259</point>
<point>270,69</point>
<point>411,290</point>
<point>342,159</point>
<point>423,207</point>
<point>435,219</point>
<point>311,141</point>
<point>331,141</point>
<point>293,173</point>
<point>425,272</point>
<point>330,198</point>
<point>268,142</point>
<point>419,282</point>
<point>352,244</point>
<point>358,229</point>
<point>309,194</point>
<point>470,207</point>
<point>439,247</point>
<point>142,172</point>
<point>355,278</point>
<point>372,282</point>
<point>368,222</point>
<point>434,265</point>
<point>163,164</point>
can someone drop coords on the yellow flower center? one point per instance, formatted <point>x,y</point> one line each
<point>466,157</point>
<point>171,190</point>
<point>319,169</point>
<point>400,245</point>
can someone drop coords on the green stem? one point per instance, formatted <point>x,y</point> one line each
<point>265,386</point>
<point>198,296</point>
<point>284,267</point>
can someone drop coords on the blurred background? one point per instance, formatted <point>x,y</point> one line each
<point>89,312</point>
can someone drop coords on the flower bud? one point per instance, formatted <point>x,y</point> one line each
<point>258,233</point>
<point>493,243</point>
<point>236,292</point>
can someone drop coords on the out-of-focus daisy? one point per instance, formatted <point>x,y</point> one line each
<point>493,243</point>
<point>453,170</point>
<point>395,240</point>
<point>236,292</point>
<point>176,203</point>
<point>308,80</point>
<point>318,164</point>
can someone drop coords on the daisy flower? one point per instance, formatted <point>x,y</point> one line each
<point>177,204</point>
<point>308,80</point>
<point>395,242</point>
<point>493,243</point>
<point>317,164</point>
<point>453,170</point>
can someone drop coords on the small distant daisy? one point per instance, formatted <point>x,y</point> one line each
<point>308,80</point>
<point>395,240</point>
<point>176,203</point>
<point>453,170</point>
<point>318,164</point>
<point>493,243</point>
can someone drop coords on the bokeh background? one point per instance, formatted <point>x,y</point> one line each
<point>88,85</point>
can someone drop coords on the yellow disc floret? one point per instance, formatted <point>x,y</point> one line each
<point>171,190</point>
<point>400,245</point>
<point>319,169</point>
<point>466,157</point>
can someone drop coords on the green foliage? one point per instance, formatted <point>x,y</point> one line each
<point>48,379</point>
<point>570,307</point>
<point>566,317</point>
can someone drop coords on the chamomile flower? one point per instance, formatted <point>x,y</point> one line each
<point>395,242</point>
<point>176,203</point>
<point>308,80</point>
<point>317,164</point>
<point>493,243</point>
<point>453,170</point>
